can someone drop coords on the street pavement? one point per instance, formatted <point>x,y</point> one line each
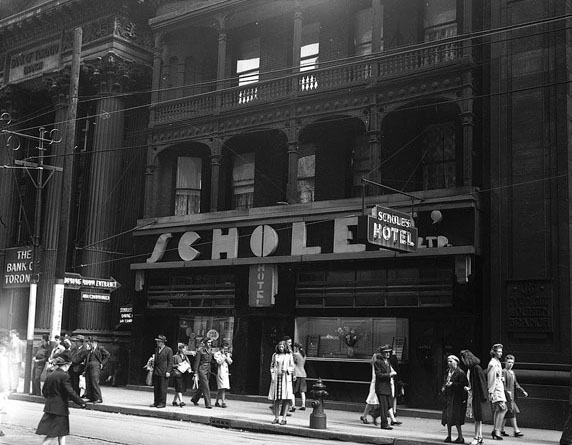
<point>252,413</point>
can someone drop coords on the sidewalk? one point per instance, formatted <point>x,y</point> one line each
<point>252,413</point>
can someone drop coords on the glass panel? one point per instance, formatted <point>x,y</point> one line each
<point>188,186</point>
<point>438,12</point>
<point>306,178</point>
<point>243,181</point>
<point>193,329</point>
<point>329,337</point>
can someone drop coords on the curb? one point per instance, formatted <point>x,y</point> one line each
<point>241,424</point>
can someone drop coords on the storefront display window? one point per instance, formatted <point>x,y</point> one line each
<point>193,329</point>
<point>351,337</point>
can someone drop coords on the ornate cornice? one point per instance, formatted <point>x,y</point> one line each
<point>112,74</point>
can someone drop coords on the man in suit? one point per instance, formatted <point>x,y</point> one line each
<point>78,355</point>
<point>383,375</point>
<point>202,367</point>
<point>96,359</point>
<point>162,367</point>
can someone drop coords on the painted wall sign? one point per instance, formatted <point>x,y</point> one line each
<point>18,267</point>
<point>389,229</point>
<point>28,64</point>
<point>262,285</point>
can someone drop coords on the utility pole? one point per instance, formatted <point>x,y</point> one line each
<point>67,183</point>
<point>35,275</point>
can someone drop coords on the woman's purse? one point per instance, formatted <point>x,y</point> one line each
<point>184,366</point>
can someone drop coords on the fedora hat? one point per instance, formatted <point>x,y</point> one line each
<point>385,348</point>
<point>162,338</point>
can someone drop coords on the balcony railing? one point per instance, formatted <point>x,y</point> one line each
<point>326,78</point>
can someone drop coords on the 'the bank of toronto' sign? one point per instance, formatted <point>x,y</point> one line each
<point>390,229</point>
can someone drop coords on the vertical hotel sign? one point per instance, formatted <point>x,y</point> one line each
<point>30,63</point>
<point>262,285</point>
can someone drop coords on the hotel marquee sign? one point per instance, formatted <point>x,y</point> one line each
<point>390,229</point>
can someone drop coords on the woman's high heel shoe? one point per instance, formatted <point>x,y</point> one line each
<point>495,436</point>
<point>363,419</point>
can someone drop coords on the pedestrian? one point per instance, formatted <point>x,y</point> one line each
<point>290,350</point>
<point>478,406</point>
<point>4,377</point>
<point>281,391</point>
<point>383,374</point>
<point>454,399</point>
<point>181,365</point>
<point>113,367</point>
<point>202,368</point>
<point>510,386</point>
<point>496,390</point>
<point>79,354</point>
<point>223,359</point>
<point>162,367</point>
<point>38,364</point>
<point>17,356</point>
<point>300,385</point>
<point>57,391</point>
<point>395,387</point>
<point>371,401</point>
<point>95,360</point>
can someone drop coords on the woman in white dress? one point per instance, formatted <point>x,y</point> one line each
<point>223,359</point>
<point>281,392</point>
<point>496,390</point>
<point>371,402</point>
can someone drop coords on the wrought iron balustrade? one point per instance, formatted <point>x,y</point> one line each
<point>327,78</point>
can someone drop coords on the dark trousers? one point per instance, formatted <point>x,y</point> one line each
<point>74,378</point>
<point>385,402</point>
<point>203,389</point>
<point>160,385</point>
<point>92,389</point>
<point>36,379</point>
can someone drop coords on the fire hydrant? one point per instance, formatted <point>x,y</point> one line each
<point>318,417</point>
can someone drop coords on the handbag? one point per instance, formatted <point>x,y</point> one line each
<point>149,378</point>
<point>183,367</point>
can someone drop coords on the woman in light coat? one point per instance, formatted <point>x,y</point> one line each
<point>223,359</point>
<point>496,390</point>
<point>281,391</point>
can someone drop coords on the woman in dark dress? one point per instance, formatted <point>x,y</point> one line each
<point>478,405</point>
<point>58,391</point>
<point>455,399</point>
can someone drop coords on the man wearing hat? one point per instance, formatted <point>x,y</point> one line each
<point>162,367</point>
<point>383,375</point>
<point>78,353</point>
<point>97,357</point>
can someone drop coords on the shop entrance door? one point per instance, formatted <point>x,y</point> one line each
<point>273,329</point>
<point>432,340</point>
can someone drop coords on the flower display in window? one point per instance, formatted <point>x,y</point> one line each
<point>349,335</point>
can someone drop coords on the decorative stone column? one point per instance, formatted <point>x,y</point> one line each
<point>292,186</point>
<point>216,151</point>
<point>98,247</point>
<point>296,44</point>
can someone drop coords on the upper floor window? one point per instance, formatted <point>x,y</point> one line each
<point>243,181</point>
<point>440,19</point>
<point>248,68</point>
<point>363,27</point>
<point>306,176</point>
<point>188,186</point>
<point>439,169</point>
<point>309,55</point>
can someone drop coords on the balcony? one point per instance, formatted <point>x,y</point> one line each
<point>328,77</point>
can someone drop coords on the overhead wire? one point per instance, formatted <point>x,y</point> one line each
<point>392,54</point>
